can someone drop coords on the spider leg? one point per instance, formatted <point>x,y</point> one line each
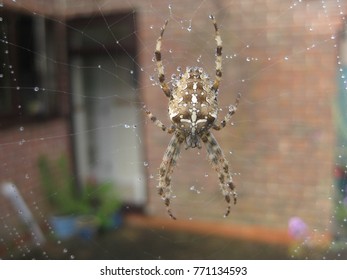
<point>157,122</point>
<point>160,67</point>
<point>231,112</point>
<point>166,168</point>
<point>218,56</point>
<point>220,164</point>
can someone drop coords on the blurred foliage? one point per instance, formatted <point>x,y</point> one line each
<point>99,199</point>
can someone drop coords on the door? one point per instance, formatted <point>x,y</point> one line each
<point>105,116</point>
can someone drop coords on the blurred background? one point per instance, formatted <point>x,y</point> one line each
<point>77,150</point>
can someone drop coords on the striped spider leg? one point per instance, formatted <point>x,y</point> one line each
<point>220,164</point>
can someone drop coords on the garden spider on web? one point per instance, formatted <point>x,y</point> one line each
<point>193,111</point>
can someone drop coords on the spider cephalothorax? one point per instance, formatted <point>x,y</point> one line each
<point>193,111</point>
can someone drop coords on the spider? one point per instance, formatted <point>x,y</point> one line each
<point>193,111</point>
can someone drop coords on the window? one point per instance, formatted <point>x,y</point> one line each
<point>27,73</point>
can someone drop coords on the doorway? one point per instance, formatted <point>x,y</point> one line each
<point>105,108</point>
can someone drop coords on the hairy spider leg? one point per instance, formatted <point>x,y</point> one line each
<point>157,122</point>
<point>166,168</point>
<point>231,112</point>
<point>218,39</point>
<point>161,75</point>
<point>220,164</point>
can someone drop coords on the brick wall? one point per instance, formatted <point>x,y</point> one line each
<point>282,141</point>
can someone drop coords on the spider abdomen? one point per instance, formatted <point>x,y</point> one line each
<point>193,106</point>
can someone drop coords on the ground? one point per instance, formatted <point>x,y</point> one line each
<point>139,243</point>
<point>134,242</point>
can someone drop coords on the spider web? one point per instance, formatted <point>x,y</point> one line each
<point>257,54</point>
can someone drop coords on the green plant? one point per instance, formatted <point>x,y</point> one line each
<point>58,186</point>
<point>94,198</point>
<point>105,201</point>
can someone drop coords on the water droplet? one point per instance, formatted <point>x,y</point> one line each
<point>189,28</point>
<point>126,126</point>
<point>64,250</point>
<point>36,88</point>
<point>131,72</point>
<point>21,128</point>
<point>27,176</point>
<point>72,257</point>
<point>193,188</point>
<point>145,163</point>
<point>286,58</point>
<point>179,68</point>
